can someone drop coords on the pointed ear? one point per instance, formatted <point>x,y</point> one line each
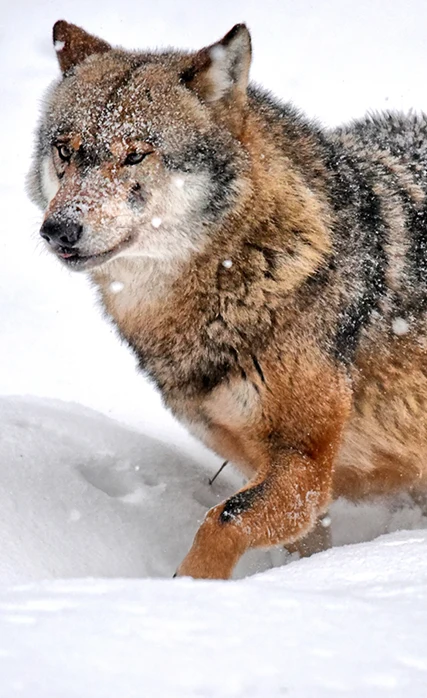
<point>221,71</point>
<point>73,44</point>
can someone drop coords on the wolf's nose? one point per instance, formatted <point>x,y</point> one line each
<point>62,233</point>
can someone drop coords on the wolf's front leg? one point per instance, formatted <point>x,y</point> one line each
<point>280,506</point>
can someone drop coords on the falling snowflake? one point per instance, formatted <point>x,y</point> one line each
<point>400,326</point>
<point>116,286</point>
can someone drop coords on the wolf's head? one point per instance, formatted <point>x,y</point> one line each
<point>139,154</point>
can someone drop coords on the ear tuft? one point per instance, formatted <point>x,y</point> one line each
<point>73,44</point>
<point>221,71</point>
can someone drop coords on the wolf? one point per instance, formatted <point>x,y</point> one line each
<point>269,274</point>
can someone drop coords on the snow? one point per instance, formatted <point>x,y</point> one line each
<point>124,503</point>
<point>116,286</point>
<point>101,491</point>
<point>156,222</point>
<point>217,53</point>
<point>351,624</point>
<point>400,326</point>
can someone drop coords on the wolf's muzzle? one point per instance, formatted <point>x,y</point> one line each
<point>63,233</point>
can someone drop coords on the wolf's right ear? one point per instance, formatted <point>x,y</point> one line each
<point>220,72</point>
<point>73,45</point>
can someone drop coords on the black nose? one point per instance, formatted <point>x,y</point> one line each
<point>61,233</point>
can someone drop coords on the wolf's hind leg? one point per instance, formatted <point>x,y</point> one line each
<point>317,540</point>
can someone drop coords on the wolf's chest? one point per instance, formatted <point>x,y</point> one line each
<point>188,333</point>
<point>172,339</point>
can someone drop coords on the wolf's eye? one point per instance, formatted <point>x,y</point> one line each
<point>64,152</point>
<point>135,158</point>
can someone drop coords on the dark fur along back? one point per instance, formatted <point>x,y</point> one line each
<point>270,275</point>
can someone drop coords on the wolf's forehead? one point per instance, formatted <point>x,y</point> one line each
<point>110,101</point>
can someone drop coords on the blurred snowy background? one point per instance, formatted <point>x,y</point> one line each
<point>98,480</point>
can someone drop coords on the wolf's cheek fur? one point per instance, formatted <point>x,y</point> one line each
<point>167,225</point>
<point>49,180</point>
<point>172,227</point>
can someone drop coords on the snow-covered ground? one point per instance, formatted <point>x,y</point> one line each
<point>348,624</point>
<point>98,482</point>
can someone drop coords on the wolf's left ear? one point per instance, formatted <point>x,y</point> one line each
<point>221,71</point>
<point>73,45</point>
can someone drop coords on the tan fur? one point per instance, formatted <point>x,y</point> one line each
<point>385,444</point>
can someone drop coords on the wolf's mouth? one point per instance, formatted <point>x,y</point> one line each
<point>74,260</point>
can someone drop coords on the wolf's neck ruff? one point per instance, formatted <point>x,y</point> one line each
<point>257,266</point>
